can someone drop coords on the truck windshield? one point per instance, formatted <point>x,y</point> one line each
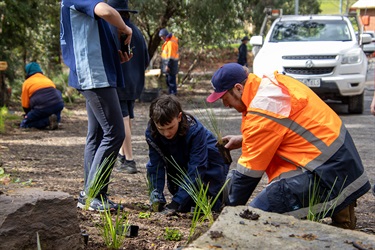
<point>311,30</point>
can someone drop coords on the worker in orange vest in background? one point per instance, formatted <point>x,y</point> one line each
<point>169,59</point>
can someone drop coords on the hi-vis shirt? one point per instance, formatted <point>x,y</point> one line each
<point>170,55</point>
<point>288,129</point>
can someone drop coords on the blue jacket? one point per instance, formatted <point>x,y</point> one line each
<point>133,71</point>
<point>194,152</point>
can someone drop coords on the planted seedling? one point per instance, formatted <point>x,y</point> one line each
<point>210,120</point>
<point>319,210</point>
<point>100,180</point>
<point>113,231</point>
<point>198,191</point>
<point>172,234</point>
<point>144,215</point>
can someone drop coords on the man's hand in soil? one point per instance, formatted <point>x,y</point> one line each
<point>233,141</point>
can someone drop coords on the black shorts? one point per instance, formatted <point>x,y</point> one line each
<point>127,108</point>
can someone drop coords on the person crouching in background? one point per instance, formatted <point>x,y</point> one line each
<point>40,99</point>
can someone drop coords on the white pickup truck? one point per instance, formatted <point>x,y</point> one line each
<point>321,51</point>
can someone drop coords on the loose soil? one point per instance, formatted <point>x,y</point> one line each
<point>52,160</point>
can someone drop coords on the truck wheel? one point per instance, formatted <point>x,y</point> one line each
<point>356,104</point>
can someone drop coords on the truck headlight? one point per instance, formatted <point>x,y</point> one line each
<point>351,57</point>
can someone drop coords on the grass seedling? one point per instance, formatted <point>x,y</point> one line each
<point>100,179</point>
<point>39,246</point>
<point>198,191</point>
<point>144,215</point>
<point>172,234</point>
<point>210,120</point>
<point>317,210</point>
<point>113,231</point>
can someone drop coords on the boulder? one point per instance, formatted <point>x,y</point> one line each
<point>26,211</point>
<point>244,227</point>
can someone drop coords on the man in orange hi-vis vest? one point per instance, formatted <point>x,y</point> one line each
<point>302,145</point>
<point>169,59</point>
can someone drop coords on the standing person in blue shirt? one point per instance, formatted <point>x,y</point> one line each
<point>89,50</point>
<point>175,135</point>
<point>133,72</point>
<point>242,51</point>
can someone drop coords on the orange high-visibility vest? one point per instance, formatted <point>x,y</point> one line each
<point>170,55</point>
<point>288,129</point>
<point>31,85</point>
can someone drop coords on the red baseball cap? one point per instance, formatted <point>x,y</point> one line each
<point>225,78</point>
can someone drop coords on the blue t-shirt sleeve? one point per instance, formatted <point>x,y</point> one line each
<point>85,6</point>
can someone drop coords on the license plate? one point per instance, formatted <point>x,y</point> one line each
<point>311,82</point>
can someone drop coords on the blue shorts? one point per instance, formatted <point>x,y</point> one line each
<point>127,108</point>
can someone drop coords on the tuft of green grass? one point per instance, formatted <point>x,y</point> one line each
<point>318,211</point>
<point>172,234</point>
<point>210,120</point>
<point>113,231</point>
<point>100,179</point>
<point>39,246</point>
<point>199,193</point>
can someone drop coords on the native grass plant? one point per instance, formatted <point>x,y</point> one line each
<point>149,184</point>
<point>199,193</point>
<point>210,120</point>
<point>113,230</point>
<point>172,234</point>
<point>100,180</point>
<point>317,210</point>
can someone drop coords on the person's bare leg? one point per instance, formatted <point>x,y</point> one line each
<point>127,148</point>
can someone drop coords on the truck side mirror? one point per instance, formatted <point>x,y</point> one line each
<point>256,40</point>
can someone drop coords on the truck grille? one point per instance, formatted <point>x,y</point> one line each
<point>309,71</point>
<point>311,57</point>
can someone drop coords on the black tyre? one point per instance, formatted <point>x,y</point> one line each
<point>356,104</point>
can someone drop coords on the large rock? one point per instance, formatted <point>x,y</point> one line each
<point>244,227</point>
<point>27,211</point>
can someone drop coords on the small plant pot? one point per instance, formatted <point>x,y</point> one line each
<point>132,231</point>
<point>85,238</point>
<point>225,153</point>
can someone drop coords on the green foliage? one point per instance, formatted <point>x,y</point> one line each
<point>318,210</point>
<point>113,231</point>
<point>29,31</point>
<point>5,179</point>
<point>144,215</point>
<point>172,234</point>
<point>100,179</point>
<point>210,120</point>
<point>3,113</point>
<point>196,23</point>
<point>198,191</point>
